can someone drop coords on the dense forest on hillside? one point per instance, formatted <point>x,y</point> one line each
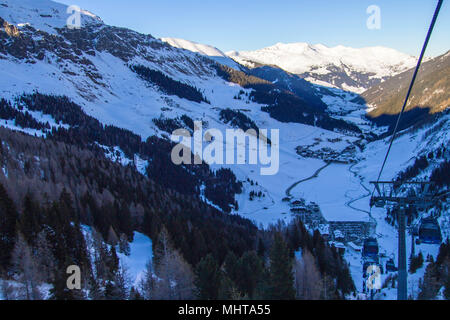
<point>282,105</point>
<point>66,174</point>
<point>238,120</point>
<point>436,163</point>
<point>168,85</point>
<point>409,119</point>
<point>430,91</point>
<point>293,83</point>
<point>47,179</point>
<point>170,125</point>
<point>87,132</point>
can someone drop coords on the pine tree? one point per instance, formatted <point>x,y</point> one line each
<point>117,287</point>
<point>416,263</point>
<point>161,247</point>
<point>44,257</point>
<point>112,237</point>
<point>7,290</point>
<point>124,246</point>
<point>135,295</point>
<point>29,222</point>
<point>113,261</point>
<point>8,218</point>
<point>208,278</point>
<point>231,266</point>
<point>281,277</point>
<point>250,271</point>
<point>261,248</point>
<point>447,288</point>
<point>95,292</point>
<point>430,285</point>
<point>146,284</point>
<point>173,273</point>
<point>227,289</point>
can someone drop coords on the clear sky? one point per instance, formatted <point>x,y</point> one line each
<point>254,24</point>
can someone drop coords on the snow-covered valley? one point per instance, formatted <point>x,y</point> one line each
<point>327,172</point>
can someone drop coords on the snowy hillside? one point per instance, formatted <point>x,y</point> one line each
<point>433,79</point>
<point>343,67</point>
<point>43,15</point>
<point>94,67</point>
<point>203,49</point>
<point>328,150</point>
<point>107,89</point>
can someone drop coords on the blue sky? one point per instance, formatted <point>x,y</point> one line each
<point>254,24</point>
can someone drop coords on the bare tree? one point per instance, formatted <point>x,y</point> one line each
<point>146,284</point>
<point>26,271</point>
<point>98,256</point>
<point>124,246</point>
<point>308,282</point>
<point>174,279</point>
<point>7,290</point>
<point>122,281</point>
<point>44,257</point>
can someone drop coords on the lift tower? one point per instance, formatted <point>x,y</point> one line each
<point>402,195</point>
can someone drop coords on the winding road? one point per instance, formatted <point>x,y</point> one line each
<point>348,204</point>
<point>315,175</point>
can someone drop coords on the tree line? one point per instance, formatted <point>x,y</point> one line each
<point>284,105</point>
<point>87,132</point>
<point>169,85</point>
<point>68,188</point>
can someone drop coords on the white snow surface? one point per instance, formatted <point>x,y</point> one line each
<point>299,58</point>
<point>140,254</point>
<point>128,102</point>
<point>43,15</point>
<point>203,49</point>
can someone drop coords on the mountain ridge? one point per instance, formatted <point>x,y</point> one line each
<point>203,49</point>
<point>52,15</point>
<point>339,66</point>
<point>433,76</point>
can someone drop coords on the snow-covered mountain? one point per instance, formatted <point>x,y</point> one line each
<point>203,49</point>
<point>138,83</point>
<point>343,67</point>
<point>148,87</point>
<point>95,67</point>
<point>42,15</point>
<point>318,96</point>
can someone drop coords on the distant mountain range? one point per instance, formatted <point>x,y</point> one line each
<point>342,67</point>
<point>85,120</point>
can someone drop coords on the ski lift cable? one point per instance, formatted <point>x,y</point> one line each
<point>422,54</point>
